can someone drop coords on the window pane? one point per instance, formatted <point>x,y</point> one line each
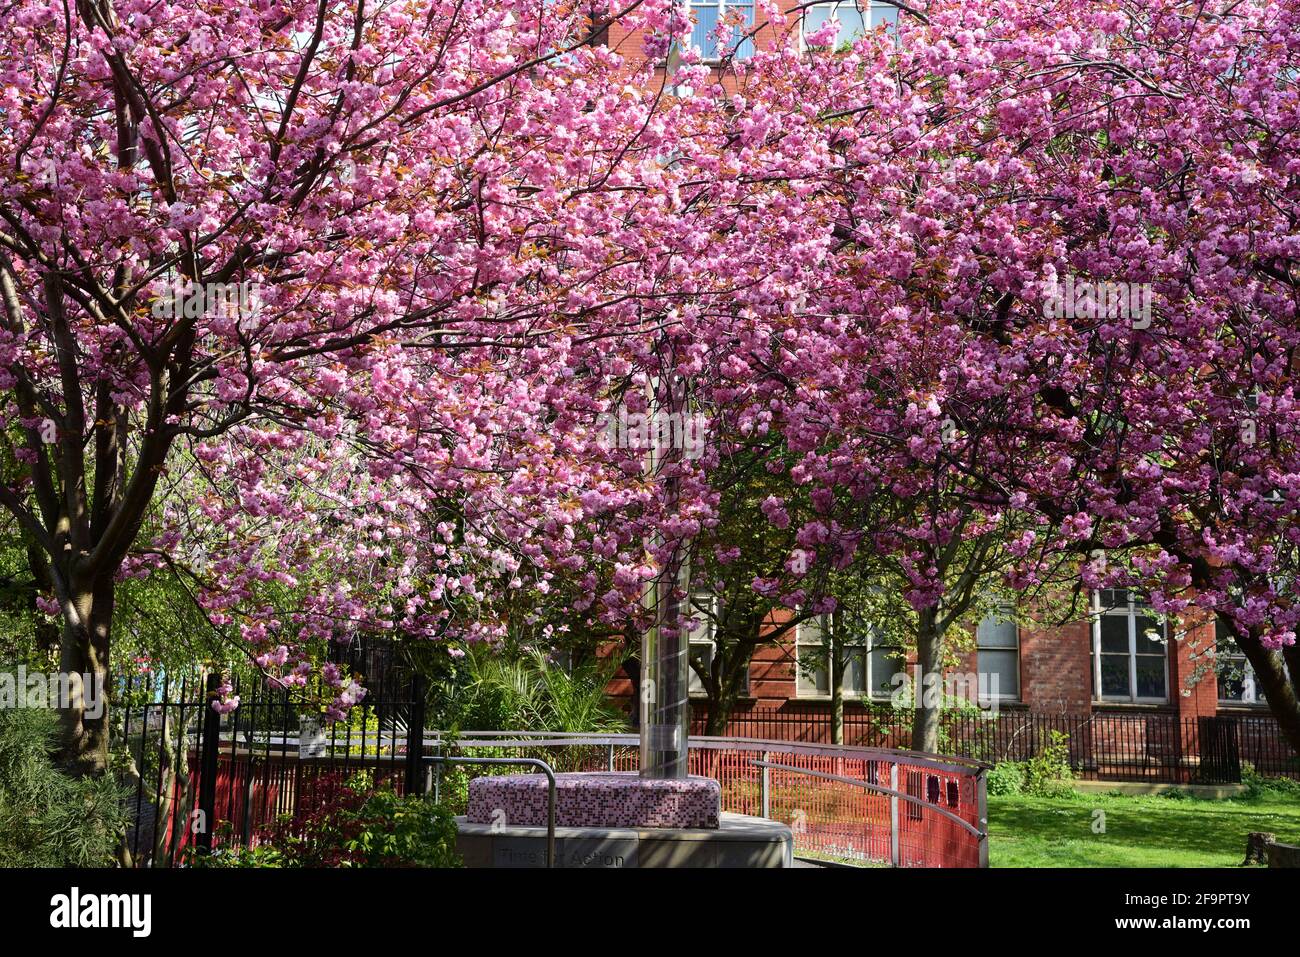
<point>811,676</point>
<point>706,21</point>
<point>1114,634</point>
<point>995,633</point>
<point>1002,665</point>
<point>885,663</point>
<point>1230,681</point>
<point>1114,676</point>
<point>701,656</point>
<point>702,633</point>
<point>707,17</point>
<point>1236,681</point>
<point>1250,692</point>
<point>1115,598</point>
<point>1149,637</point>
<point>883,13</point>
<point>813,679</point>
<point>1151,676</point>
<point>810,632</point>
<point>1224,642</point>
<point>747,48</point>
<point>855,672</point>
<point>850,18</point>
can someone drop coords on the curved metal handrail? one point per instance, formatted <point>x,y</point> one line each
<point>522,762</point>
<point>524,739</point>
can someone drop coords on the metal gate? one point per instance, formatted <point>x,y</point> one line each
<point>1220,755</point>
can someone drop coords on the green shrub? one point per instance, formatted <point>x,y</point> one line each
<point>398,831</point>
<point>263,855</point>
<point>527,692</point>
<point>48,818</point>
<point>354,825</point>
<point>1048,773</point>
<point>1257,785</point>
<point>1006,777</point>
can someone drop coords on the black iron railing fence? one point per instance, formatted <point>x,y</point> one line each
<point>1105,746</point>
<point>198,773</point>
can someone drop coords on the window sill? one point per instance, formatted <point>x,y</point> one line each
<point>1131,705</point>
<point>713,63</point>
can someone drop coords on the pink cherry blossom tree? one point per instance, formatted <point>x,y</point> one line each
<point>287,284</point>
<point>1070,232</point>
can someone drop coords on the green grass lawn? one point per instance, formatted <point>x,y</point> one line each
<point>1149,831</point>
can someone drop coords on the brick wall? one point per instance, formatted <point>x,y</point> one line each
<point>1054,668</point>
<point>1192,682</point>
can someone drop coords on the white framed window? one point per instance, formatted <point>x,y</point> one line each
<point>1235,678</point>
<point>708,14</point>
<point>997,656</point>
<point>855,17</point>
<point>869,666</point>
<point>1130,649</point>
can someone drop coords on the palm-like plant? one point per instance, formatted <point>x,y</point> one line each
<point>531,693</point>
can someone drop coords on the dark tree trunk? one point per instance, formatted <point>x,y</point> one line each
<point>929,691</point>
<point>835,674</point>
<point>726,680</point>
<point>1278,687</point>
<point>632,668</point>
<point>719,714</point>
<point>721,697</point>
<point>83,660</point>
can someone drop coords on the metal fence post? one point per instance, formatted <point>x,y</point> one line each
<point>894,856</point>
<point>416,781</point>
<point>211,745</point>
<point>437,775</point>
<point>246,831</point>
<point>767,789</point>
<point>609,759</point>
<point>982,809</point>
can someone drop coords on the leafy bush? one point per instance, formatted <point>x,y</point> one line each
<point>352,825</point>
<point>263,855</point>
<point>393,831</point>
<point>529,693</point>
<point>1257,785</point>
<point>47,817</point>
<point>1048,773</point>
<point>1006,777</point>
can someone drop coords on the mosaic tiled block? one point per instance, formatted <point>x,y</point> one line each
<point>599,799</point>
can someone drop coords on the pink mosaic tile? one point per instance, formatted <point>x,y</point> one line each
<point>595,799</point>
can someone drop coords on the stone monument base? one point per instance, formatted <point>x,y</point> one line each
<point>595,799</point>
<point>738,841</point>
